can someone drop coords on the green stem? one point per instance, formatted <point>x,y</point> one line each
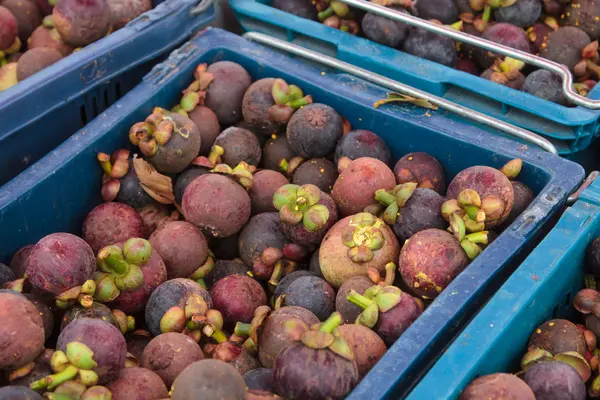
<point>219,336</point>
<point>487,13</point>
<point>384,197</point>
<point>331,323</point>
<point>355,298</point>
<point>242,329</point>
<point>323,15</point>
<point>390,273</point>
<point>52,381</point>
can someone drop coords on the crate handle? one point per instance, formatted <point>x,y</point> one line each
<point>559,69</point>
<point>405,89</point>
<point>584,185</point>
<point>201,7</point>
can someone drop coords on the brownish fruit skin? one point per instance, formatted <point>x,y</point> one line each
<point>236,297</point>
<point>273,337</point>
<point>255,107</point>
<point>182,247</point>
<point>110,223</point>
<point>486,181</point>
<point>558,336</point>
<point>498,386</point>
<point>237,355</point>
<point>226,92</point>
<point>50,38</point>
<point>430,260</point>
<point>123,11</point>
<point>423,169</point>
<point>169,354</point>
<point>18,263</point>
<point>266,183</point>
<point>208,126</point>
<point>209,379</point>
<point>584,14</point>
<point>81,22</point>
<point>348,310</point>
<point>392,324</point>
<point>35,60</point>
<point>8,28</point>
<point>319,172</point>
<point>355,188</point>
<point>137,384</point>
<point>40,370</point>
<point>137,342</point>
<point>27,14</point>
<point>21,331</point>
<point>555,380</point>
<point>216,204</point>
<point>240,145</point>
<point>45,313</point>
<point>367,346</point>
<point>337,267</point>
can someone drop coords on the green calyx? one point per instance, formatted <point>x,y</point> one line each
<point>121,269</point>
<point>321,336</point>
<point>204,270</point>
<point>390,275</point>
<point>472,243</point>
<point>335,8</point>
<point>300,204</point>
<point>242,173</point>
<point>377,299</point>
<point>288,98</point>
<point>512,169</point>
<point>83,294</point>
<point>393,200</point>
<point>156,130</point>
<point>195,93</point>
<point>126,322</point>
<point>363,236</point>
<point>251,330</point>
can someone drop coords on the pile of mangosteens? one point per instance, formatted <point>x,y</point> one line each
<point>250,245</point>
<point>35,34</point>
<point>563,31</point>
<point>562,358</point>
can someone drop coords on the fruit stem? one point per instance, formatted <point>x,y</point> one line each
<point>384,197</point>
<point>52,381</point>
<point>276,275</point>
<point>358,299</point>
<point>215,153</point>
<point>242,329</point>
<point>331,323</point>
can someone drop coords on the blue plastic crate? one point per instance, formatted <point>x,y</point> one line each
<point>542,288</point>
<point>41,112</point>
<point>571,129</point>
<point>56,193</point>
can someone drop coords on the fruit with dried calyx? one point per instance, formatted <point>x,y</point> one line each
<point>506,72</point>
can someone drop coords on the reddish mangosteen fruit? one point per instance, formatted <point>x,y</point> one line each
<point>420,212</point>
<point>22,330</point>
<point>50,38</point>
<point>355,188</point>
<point>156,215</point>
<point>97,310</point>
<point>236,297</point>
<point>303,8</point>
<point>422,169</point>
<point>8,28</point>
<point>35,60</point>
<point>137,384</point>
<point>558,336</point>
<point>318,171</point>
<point>168,354</point>
<point>566,46</point>
<point>355,244</point>
<point>208,126</point>
<point>506,72</point>
<point>18,263</point>
<point>27,15</point>
<point>45,313</point>
<point>211,379</point>
<point>430,260</point>
<point>585,15</point>
<point>111,223</point>
<point>498,386</point>
<point>266,183</point>
<point>216,204</point>
<point>504,34</point>
<point>237,355</point>
<point>122,11</point>
<point>81,22</point>
<point>367,346</point>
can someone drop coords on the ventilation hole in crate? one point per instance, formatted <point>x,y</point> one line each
<point>106,103</point>
<point>118,90</point>
<point>83,115</point>
<point>95,106</point>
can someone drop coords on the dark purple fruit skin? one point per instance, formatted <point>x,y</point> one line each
<point>259,379</point>
<point>543,83</point>
<point>523,13</point>
<point>422,167</point>
<point>208,126</point>
<point>502,33</point>
<point>216,204</point>
<point>362,143</point>
<point>287,280</point>
<point>314,267</point>
<point>319,172</point>
<point>260,232</point>
<point>240,145</point>
<point>431,47</point>
<point>391,324</point>
<point>45,313</point>
<point>301,8</point>
<point>384,30</point>
<point>106,341</point>
<point>516,83</point>
<point>18,263</point>
<point>313,131</point>
<point>225,248</point>
<point>593,324</point>
<point>27,14</point>
<point>275,150</point>
<point>255,107</point>
<point>210,379</point>
<point>549,378</point>
<point>137,342</point>
<point>298,234</point>
<point>169,354</point>
<point>592,258</point>
<point>131,191</point>
<point>236,297</point>
<point>40,370</point>
<point>497,386</point>
<point>110,223</point>
<point>463,6</point>
<point>6,274</point>
<point>35,60</point>
<point>97,310</point>
<point>266,182</point>
<point>312,293</point>
<point>225,268</point>
<point>564,46</point>
<point>444,11</point>
<point>304,373</point>
<point>558,336</point>
<point>59,262</point>
<point>226,91</point>
<point>81,22</point>
<point>421,211</point>
<point>18,393</point>
<point>185,178</point>
<point>348,310</point>
<point>584,14</point>
<point>468,65</point>
<point>137,384</point>
<point>538,34</point>
<point>523,197</point>
<point>174,292</point>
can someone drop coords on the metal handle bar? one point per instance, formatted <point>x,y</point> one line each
<point>201,7</point>
<point>559,69</point>
<point>404,89</point>
<point>586,183</point>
